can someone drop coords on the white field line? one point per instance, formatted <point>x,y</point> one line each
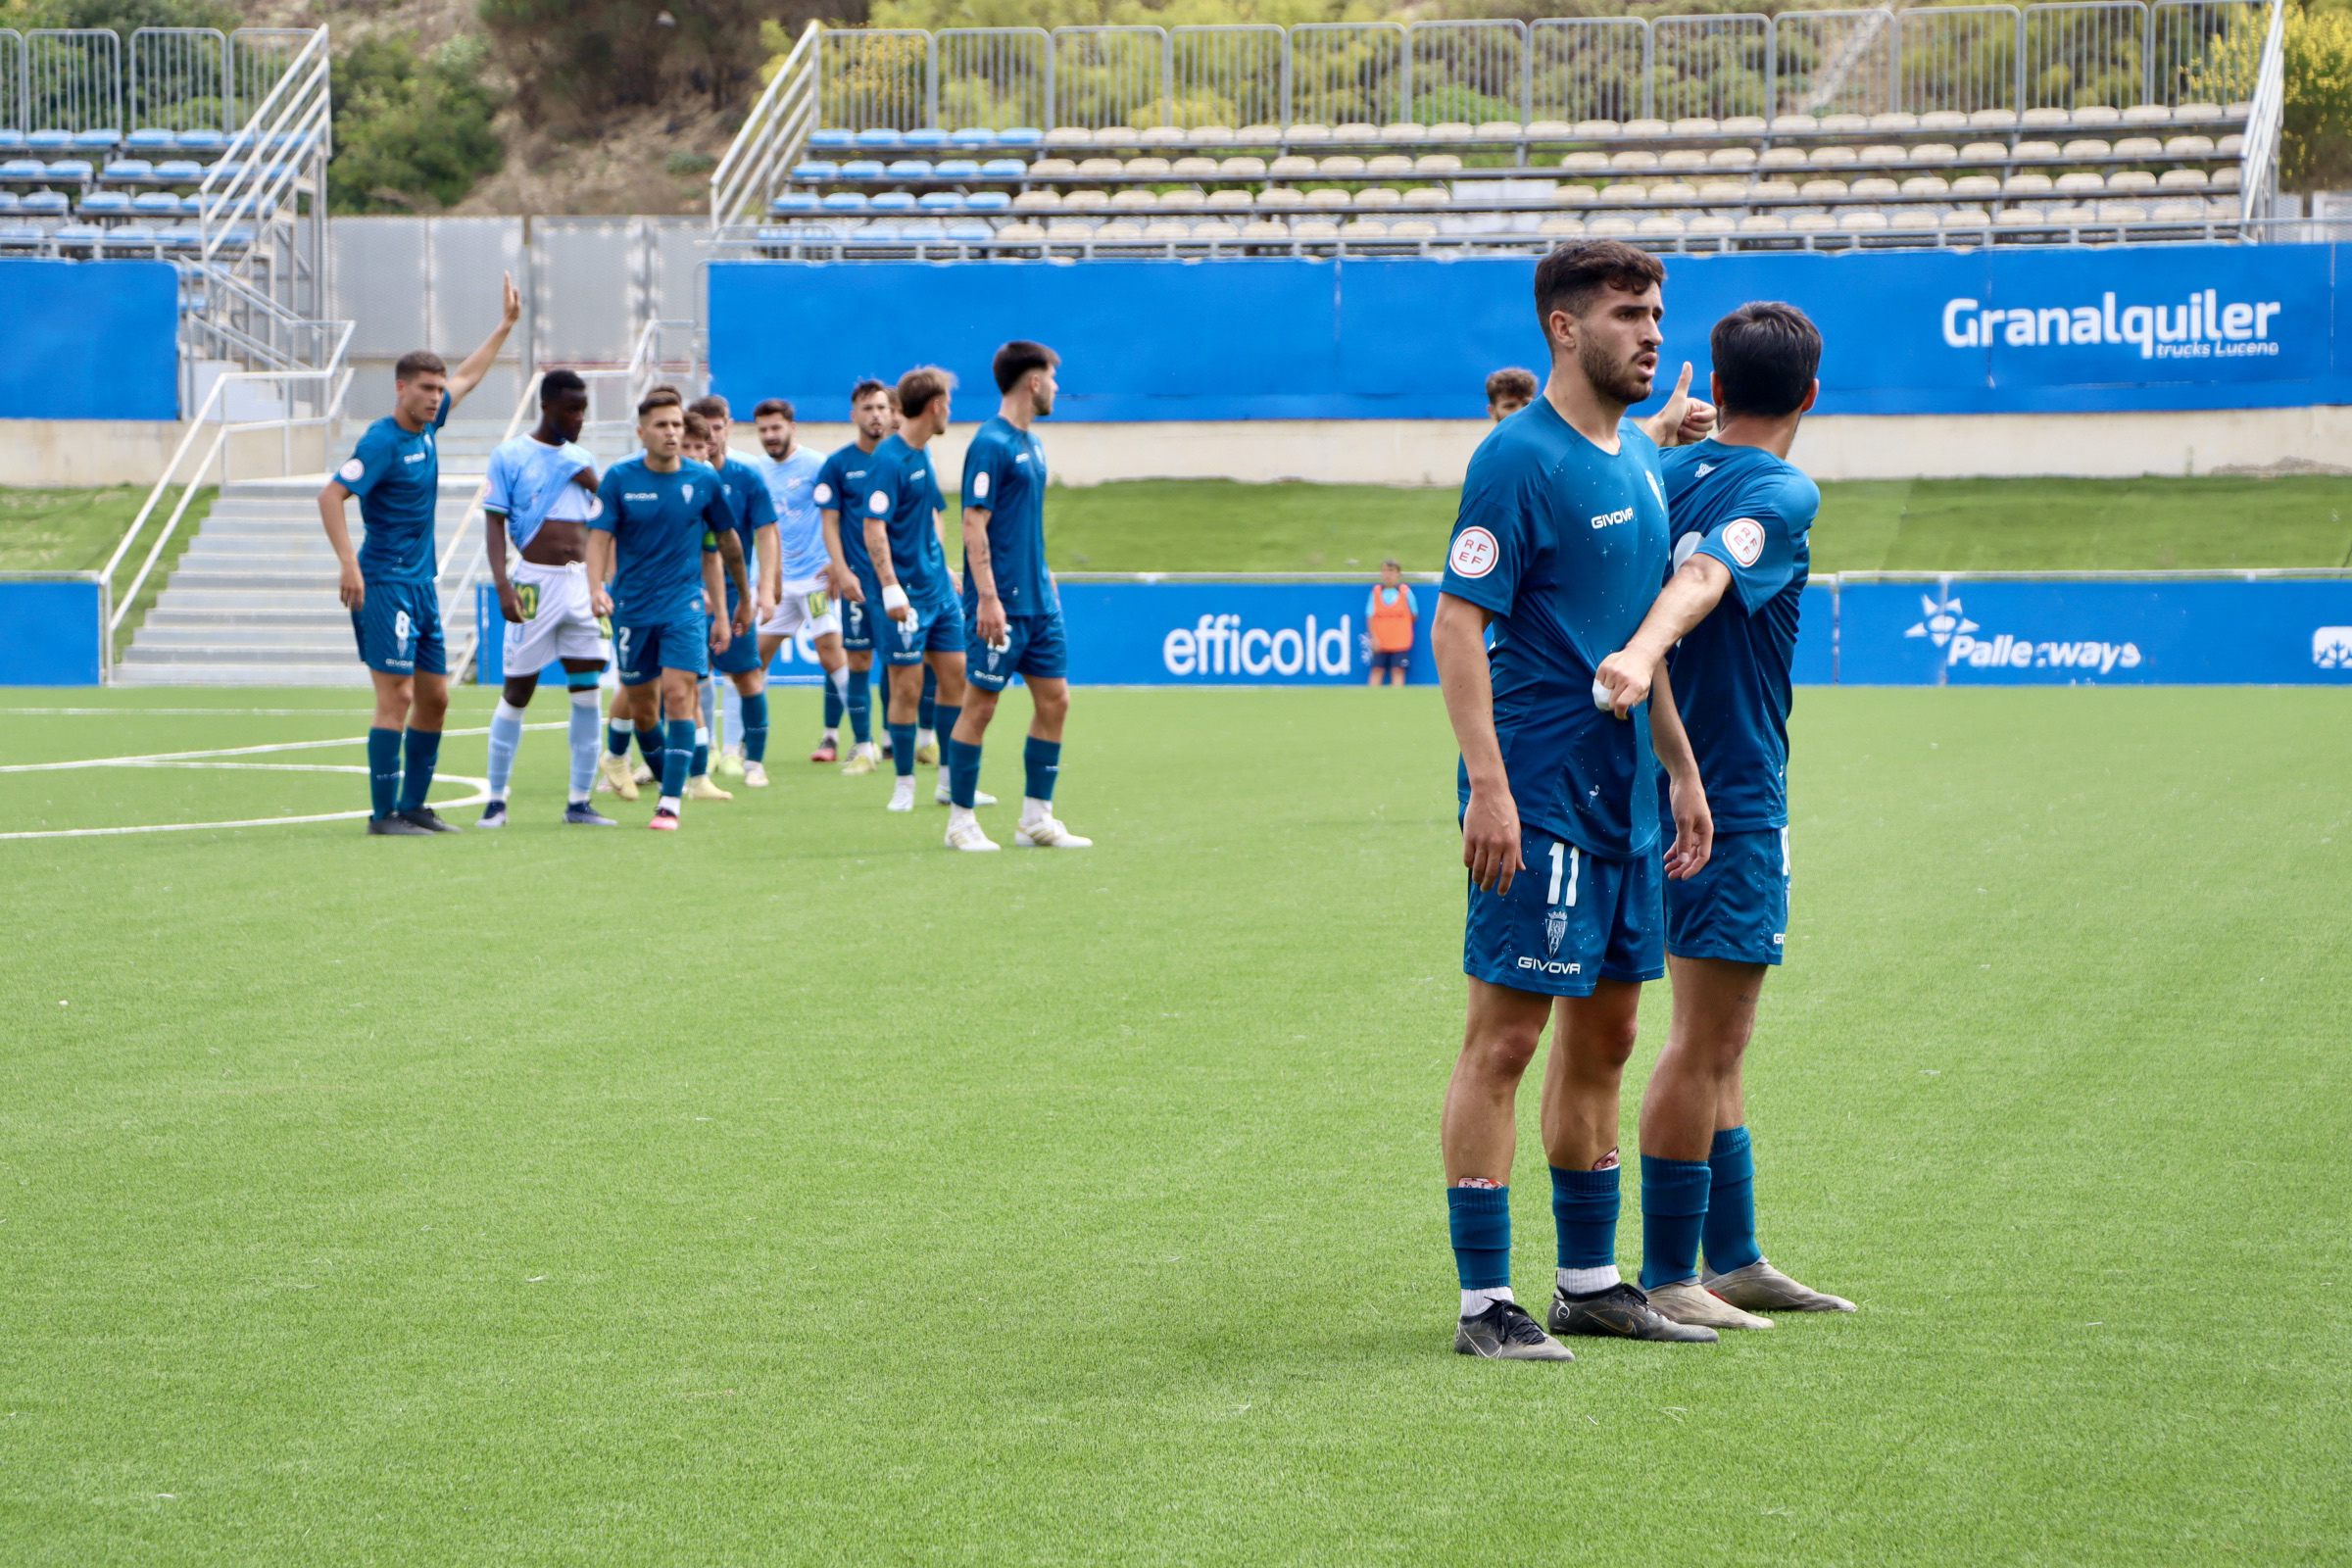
<point>480,786</point>
<point>218,712</point>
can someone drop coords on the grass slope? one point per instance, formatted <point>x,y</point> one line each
<point>76,530</point>
<point>790,1189</point>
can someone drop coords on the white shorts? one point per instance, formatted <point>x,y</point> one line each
<point>805,604</point>
<point>560,623</point>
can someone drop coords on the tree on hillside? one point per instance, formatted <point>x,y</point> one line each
<point>573,59</point>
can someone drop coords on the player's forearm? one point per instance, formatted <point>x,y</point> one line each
<point>1457,638</point>
<point>877,550</point>
<point>599,557</point>
<point>975,553</point>
<point>730,551</point>
<point>714,587</point>
<point>830,523</point>
<point>338,530</point>
<point>1687,598</point>
<point>494,545</point>
<point>772,561</point>
<point>469,374</point>
<point>1667,737</point>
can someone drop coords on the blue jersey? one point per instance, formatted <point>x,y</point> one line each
<point>1004,471</point>
<point>842,486</point>
<point>1566,543</point>
<point>397,476</point>
<point>1752,511</point>
<point>800,528</point>
<point>662,524</point>
<point>528,482</point>
<point>744,490</point>
<point>904,492</point>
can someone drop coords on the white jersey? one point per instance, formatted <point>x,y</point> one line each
<point>800,528</point>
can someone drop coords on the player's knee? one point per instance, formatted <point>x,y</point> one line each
<point>1503,1051</point>
<point>519,689</point>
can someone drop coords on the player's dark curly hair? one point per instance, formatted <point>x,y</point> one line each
<point>557,385</point>
<point>782,406</point>
<point>867,388</point>
<point>1572,277</point>
<point>1766,356</point>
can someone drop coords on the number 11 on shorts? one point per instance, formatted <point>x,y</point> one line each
<point>1564,860</point>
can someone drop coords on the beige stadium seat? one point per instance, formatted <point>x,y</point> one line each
<point>1292,166</point>
<point>1339,165</point>
<point>1913,220</point>
<point>1883,155</point>
<point>1086,201</point>
<point>1241,167</point>
<point>2227,178</point>
<point>1764,223</point>
<point>1265,228</point>
<point>1211,137</point>
<point>1584,162</point>
<point>1659,225</point>
<point>1844,124</point>
<point>2098,114</point>
<point>1697,125</point>
<point>2071,214</point>
<point>1315,228</point>
<point>1986,152</point>
<point>1833,158</point>
<point>1127,201</point>
<point>1874,189</point>
<point>1943,120</point>
<point>1215,228</point>
<point>2027,186</point>
<point>1037,201</point>
<point>1743,126</point>
<point>1575,195</point>
<point>1182,201</point>
<point>1634,159</point>
<point>1021,231</point>
<point>2043,118</point>
<point>2183,212</point>
<point>1069,228</point>
<point>1993,119</point>
<point>2138,147</point>
<point>1194,168</point>
<point>1355,131</point>
<point>1257,135</point>
<point>2226,207</point>
<point>1934,154</point>
<point>1811,223</point>
<point>1282,196</point>
<point>1862,221</point>
<point>1412,228</point>
<point>1437,163</point>
<point>1167,229</point>
<point>1117,136</point>
<point>1365,228</point>
<point>1822,190</point>
<point>1673,190</point>
<point>1102,168</point>
<point>1326,198</point>
<point>1053,169</point>
<point>1968,218</point>
<point>1119,228</point>
<point>2121,213</point>
<point>1625,190</point>
<point>2131,183</point>
<point>1451,131</point>
<point>2188,146</point>
<point>1404,133</point>
<point>1723,190</point>
<point>2146,115</point>
<point>1732,158</point>
<point>1228,200</point>
<point>1426,196</point>
<point>1148,168</point>
<point>1976,187</point>
<point>1069,136</point>
<point>2205,112</point>
<point>1683,160</point>
<point>1793,125</point>
<point>1387,166</point>
<point>1379,196</point>
<point>2087,147</point>
<point>2036,151</point>
<point>1710,223</point>
<point>1781,158</point>
<point>1597,130</point>
<point>1500,130</point>
<point>1561,227</point>
<point>1309,130</point>
<point>2019,217</point>
<point>1893,120</point>
<point>1614,225</point>
<point>1774,190</point>
<point>1646,127</point>
<point>1550,130</point>
<point>2082,183</point>
<point>1162,136</point>
<point>1927,187</point>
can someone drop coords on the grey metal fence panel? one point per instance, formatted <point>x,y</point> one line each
<point>1473,72</point>
<point>74,79</point>
<point>12,79</point>
<point>1958,57</point>
<point>1348,71</point>
<point>593,279</point>
<point>1228,75</point>
<point>179,79</point>
<point>1711,67</point>
<point>1588,68</point>
<point>875,78</point>
<point>258,57</point>
<point>2081,54</point>
<point>378,271</point>
<point>2206,51</point>
<point>1111,77</point>
<point>676,283</point>
<point>991,79</point>
<point>1833,62</point>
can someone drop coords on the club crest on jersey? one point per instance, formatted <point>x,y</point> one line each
<point>352,469</point>
<point>1745,539</point>
<point>1475,553</point>
<point>1555,926</point>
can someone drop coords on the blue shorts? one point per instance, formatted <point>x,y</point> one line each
<point>937,629</point>
<point>743,652</point>
<point>1034,650</point>
<point>1571,919</point>
<point>398,625</point>
<point>1398,660</point>
<point>1736,909</point>
<point>857,622</point>
<point>646,649</point>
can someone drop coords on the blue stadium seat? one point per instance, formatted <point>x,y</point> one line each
<point>7,201</point>
<point>892,201</point>
<point>130,236</point>
<point>50,141</point>
<point>23,168</point>
<point>151,141</point>
<point>972,139</point>
<point>1004,169</point>
<point>107,203</point>
<point>202,141</point>
<point>971,231</point>
<point>844,201</point>
<point>130,168</point>
<point>815,170</point>
<point>12,141</point>
<point>910,169</point>
<point>1021,136</point>
<point>179,171</point>
<point>794,201</point>
<point>832,139</point>
<point>20,234</point>
<point>879,136</point>
<point>70,168</point>
<point>987,201</point>
<point>956,168</point>
<point>156,204</point>
<point>923,230</point>
<point>44,204</point>
<point>97,140</point>
<point>925,138</point>
<point>940,201</point>
<point>863,168</point>
<point>77,233</point>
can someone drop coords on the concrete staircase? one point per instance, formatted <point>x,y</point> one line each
<point>252,601</point>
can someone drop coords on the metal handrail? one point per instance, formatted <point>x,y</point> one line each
<point>292,97</point>
<point>2263,121</point>
<point>783,117</point>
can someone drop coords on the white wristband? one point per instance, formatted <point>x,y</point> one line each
<point>894,596</point>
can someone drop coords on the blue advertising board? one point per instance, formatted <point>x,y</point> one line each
<point>1998,330</point>
<point>56,631</point>
<point>90,340</point>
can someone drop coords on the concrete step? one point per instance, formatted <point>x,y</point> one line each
<point>348,673</point>
<point>259,641</point>
<point>335,618</point>
<point>307,652</point>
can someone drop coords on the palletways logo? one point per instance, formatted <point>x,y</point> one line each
<point>1944,623</point>
<point>1221,645</point>
<point>2202,325</point>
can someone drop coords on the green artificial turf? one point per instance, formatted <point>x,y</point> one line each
<point>76,530</point>
<point>791,1190</point>
<point>1870,526</point>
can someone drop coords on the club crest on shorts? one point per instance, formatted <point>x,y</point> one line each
<point>1555,926</point>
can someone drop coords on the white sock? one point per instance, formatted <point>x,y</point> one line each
<point>1477,1301</point>
<point>1585,1280</point>
<point>832,735</point>
<point>840,681</point>
<point>579,797</point>
<point>1035,810</point>
<point>960,815</point>
<point>925,736</point>
<point>669,803</point>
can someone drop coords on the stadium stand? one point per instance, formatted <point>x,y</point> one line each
<point>2071,123</point>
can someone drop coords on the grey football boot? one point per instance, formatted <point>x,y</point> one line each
<point>1621,1312</point>
<point>1761,1287</point>
<point>1504,1332</point>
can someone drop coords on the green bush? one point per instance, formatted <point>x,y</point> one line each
<point>411,130</point>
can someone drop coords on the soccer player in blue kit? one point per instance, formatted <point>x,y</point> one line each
<point>390,585</point>
<point>662,532</point>
<point>922,616</point>
<point>749,500</point>
<point>840,483</point>
<point>1559,547</point>
<point>1725,629</point>
<point>805,599</point>
<point>1012,605</point>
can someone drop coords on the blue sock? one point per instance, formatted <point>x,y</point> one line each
<point>859,699</point>
<point>833,707</point>
<point>651,746</point>
<point>424,752</point>
<point>1731,1230</point>
<point>1043,760</point>
<point>616,737</point>
<point>964,773</point>
<point>1674,1205</point>
<point>506,734</point>
<point>946,727</point>
<point>585,722</point>
<point>676,758</point>
<point>1480,1218</point>
<point>755,727</point>
<point>901,749</point>
<point>384,772</point>
<point>1583,1208</point>
<point>926,712</point>
<point>702,753</point>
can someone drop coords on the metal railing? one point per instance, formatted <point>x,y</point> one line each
<point>1470,73</point>
<point>1834,61</point>
<point>261,224</point>
<point>771,136</point>
<point>2260,178</point>
<point>12,79</point>
<point>72,80</point>
<point>179,79</point>
<point>991,79</point>
<point>1109,76</point>
<point>1234,75</point>
<point>1348,71</point>
<point>1588,68</point>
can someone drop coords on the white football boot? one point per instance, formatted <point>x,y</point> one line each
<point>1048,833</point>
<point>901,794</point>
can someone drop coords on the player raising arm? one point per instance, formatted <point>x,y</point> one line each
<point>389,585</point>
<point>1725,628</point>
<point>659,538</point>
<point>1560,546</point>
